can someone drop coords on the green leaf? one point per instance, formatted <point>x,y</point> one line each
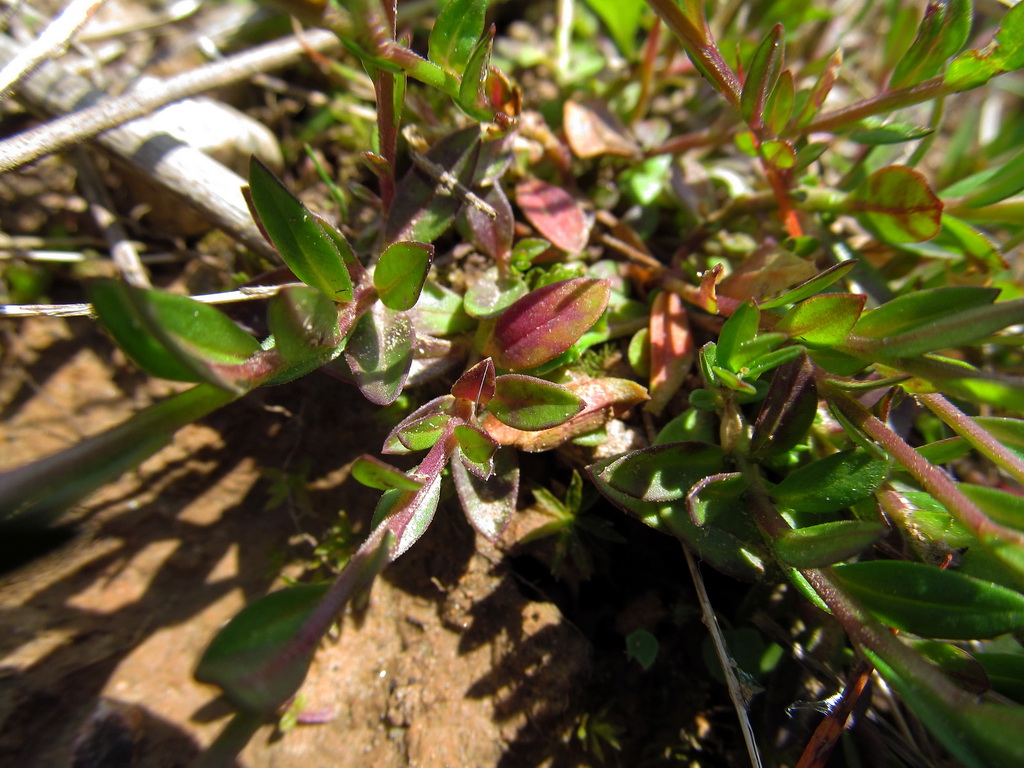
<point>823,320</point>
<point>379,354</point>
<point>787,412</point>
<point>920,308</point>
<point>409,513</point>
<point>440,312</point>
<point>779,109</point>
<point>954,329</point>
<point>421,428</point>
<point>832,483</point>
<point>819,545</point>
<point>943,32</point>
<point>762,74</point>
<point>253,639</point>
<point>1004,181</point>
<point>1005,672</point>
<point>726,546</point>
<point>548,321</point>
<point>1003,507</point>
<point>740,328</point>
<point>1004,54</point>
<point>400,273</point>
<point>173,337</point>
<point>492,293</point>
<point>642,646</point>
<point>663,472</point>
<point>304,323</point>
<point>296,233</point>
<point>975,733</point>
<point>374,473</point>
<point>874,131</point>
<point>932,602</point>
<point>531,404</point>
<point>622,18</point>
<point>897,203</point>
<point>473,97</point>
<point>475,444</point>
<point>456,31</point>
<point>810,287</point>
<point>779,154</point>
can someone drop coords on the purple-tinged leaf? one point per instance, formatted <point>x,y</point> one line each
<point>410,513</point>
<point>663,472</point>
<point>897,203</point>
<point>400,273</point>
<point>477,384</point>
<point>492,236</point>
<point>379,354</point>
<point>548,321</point>
<point>825,319</point>
<point>489,504</point>
<point>374,473</point>
<point>296,233</point>
<point>820,545</point>
<point>714,495</point>
<point>555,214</point>
<point>424,206</point>
<point>779,154</point>
<point>788,410</point>
<point>531,404</point>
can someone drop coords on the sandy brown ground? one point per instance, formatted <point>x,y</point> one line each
<point>448,665</point>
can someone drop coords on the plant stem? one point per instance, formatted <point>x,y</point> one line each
<point>969,429</point>
<point>883,102</point>
<point>932,479</point>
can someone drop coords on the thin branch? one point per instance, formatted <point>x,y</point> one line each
<point>51,42</point>
<point>736,693</point>
<point>105,113</point>
<point>124,254</point>
<point>251,293</point>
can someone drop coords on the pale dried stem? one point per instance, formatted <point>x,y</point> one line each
<point>51,42</point>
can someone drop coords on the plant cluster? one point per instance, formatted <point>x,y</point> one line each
<point>780,278</point>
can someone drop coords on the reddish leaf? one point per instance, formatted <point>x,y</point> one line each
<point>492,236</point>
<point>476,384</point>
<point>671,349</point>
<point>546,322</point>
<point>555,214</point>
